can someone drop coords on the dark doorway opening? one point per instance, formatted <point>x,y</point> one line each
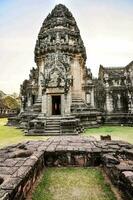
<point>56,105</point>
<point>33,99</point>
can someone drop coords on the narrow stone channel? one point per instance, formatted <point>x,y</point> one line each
<point>70,183</point>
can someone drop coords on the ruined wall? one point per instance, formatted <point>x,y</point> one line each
<point>117,87</point>
<point>21,164</point>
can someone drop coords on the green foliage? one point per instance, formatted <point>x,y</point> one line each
<point>11,102</point>
<point>2,94</point>
<point>73,184</point>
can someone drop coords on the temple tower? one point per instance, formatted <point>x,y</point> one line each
<point>60,89</point>
<point>60,57</point>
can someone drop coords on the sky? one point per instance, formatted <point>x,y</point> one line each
<point>106,27</point>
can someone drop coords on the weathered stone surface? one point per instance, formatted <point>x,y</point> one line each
<point>124,167</point>
<point>58,97</point>
<point>9,163</point>
<point>107,137</point>
<point>4,195</point>
<point>79,160</point>
<point>7,170</point>
<point>19,172</point>
<point>129,153</point>
<point>127,184</point>
<point>127,176</point>
<point>110,159</point>
<point>22,172</point>
<point>11,183</point>
<point>113,96</point>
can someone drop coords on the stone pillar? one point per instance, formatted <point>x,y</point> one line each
<point>92,97</point>
<point>41,70</point>
<point>67,102</point>
<point>88,98</point>
<point>131,106</point>
<point>130,103</point>
<point>119,102</point>
<point>22,104</point>
<point>63,104</point>
<point>109,106</point>
<point>67,39</point>
<point>76,72</point>
<point>48,105</point>
<point>44,104</point>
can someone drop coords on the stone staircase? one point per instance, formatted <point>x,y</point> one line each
<point>53,126</point>
<point>78,105</point>
<point>37,105</point>
<point>88,115</point>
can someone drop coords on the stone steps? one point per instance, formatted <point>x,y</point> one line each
<point>86,113</point>
<point>47,131</point>
<point>37,105</point>
<point>81,108</point>
<point>53,126</point>
<point>53,123</point>
<point>56,125</point>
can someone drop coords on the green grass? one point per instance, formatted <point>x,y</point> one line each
<point>73,184</point>
<point>117,132</point>
<point>10,135</point>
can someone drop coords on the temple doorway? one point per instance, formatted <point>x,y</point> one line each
<point>56,105</point>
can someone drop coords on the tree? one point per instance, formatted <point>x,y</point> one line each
<point>2,94</point>
<point>11,102</point>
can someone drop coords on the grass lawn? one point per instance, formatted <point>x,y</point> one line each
<point>117,132</point>
<point>10,135</point>
<point>73,184</point>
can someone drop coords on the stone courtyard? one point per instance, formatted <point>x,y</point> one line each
<point>21,164</point>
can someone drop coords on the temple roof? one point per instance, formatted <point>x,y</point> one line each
<point>129,65</point>
<point>113,72</point>
<point>59,31</point>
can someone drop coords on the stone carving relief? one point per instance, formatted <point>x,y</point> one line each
<point>57,71</point>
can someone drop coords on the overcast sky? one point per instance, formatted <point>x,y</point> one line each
<point>106,28</point>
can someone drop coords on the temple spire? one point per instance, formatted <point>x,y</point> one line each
<point>59,31</point>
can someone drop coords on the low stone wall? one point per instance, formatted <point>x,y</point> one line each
<point>120,170</point>
<point>19,170</point>
<point>21,164</point>
<point>125,119</point>
<point>70,126</point>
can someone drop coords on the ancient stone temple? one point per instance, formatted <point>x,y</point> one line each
<point>58,98</point>
<point>61,96</point>
<point>116,100</point>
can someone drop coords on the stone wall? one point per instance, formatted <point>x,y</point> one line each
<point>117,86</point>
<point>21,164</point>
